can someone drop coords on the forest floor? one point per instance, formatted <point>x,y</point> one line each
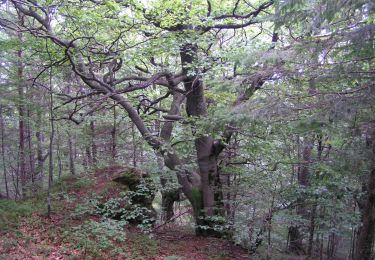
<point>28,233</point>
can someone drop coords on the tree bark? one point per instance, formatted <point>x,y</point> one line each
<point>169,195</point>
<point>21,122</point>
<point>315,203</point>
<point>207,201</point>
<point>93,143</point>
<point>50,149</point>
<point>88,155</point>
<point>30,151</point>
<point>134,150</point>
<point>295,235</point>
<point>114,135</point>
<point>38,176</point>
<point>365,237</point>
<point>71,154</point>
<point>2,127</point>
<point>58,153</point>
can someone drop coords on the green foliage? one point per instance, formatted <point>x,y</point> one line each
<point>122,208</point>
<point>143,246</point>
<point>318,87</point>
<point>97,236</point>
<point>11,211</point>
<point>89,206</point>
<point>173,257</point>
<point>82,183</point>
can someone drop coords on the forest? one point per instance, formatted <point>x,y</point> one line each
<point>187,129</point>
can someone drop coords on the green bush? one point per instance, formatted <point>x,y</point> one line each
<point>119,208</point>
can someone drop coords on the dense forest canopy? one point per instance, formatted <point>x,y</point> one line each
<point>257,116</point>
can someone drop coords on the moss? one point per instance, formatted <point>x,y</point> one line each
<point>139,183</point>
<point>140,190</point>
<point>129,178</point>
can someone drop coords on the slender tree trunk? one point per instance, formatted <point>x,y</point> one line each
<point>58,153</point>
<point>71,154</point>
<point>353,243</point>
<point>21,122</point>
<point>39,172</point>
<point>315,203</point>
<point>2,126</point>
<point>312,228</point>
<point>269,229</point>
<point>134,147</point>
<point>88,156</point>
<point>85,160</point>
<point>93,143</point>
<point>16,182</point>
<point>365,237</point>
<point>50,150</point>
<point>229,179</point>
<point>30,147</point>
<point>114,135</point>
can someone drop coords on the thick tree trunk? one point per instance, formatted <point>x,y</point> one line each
<point>210,182</point>
<point>295,240</point>
<point>295,235</point>
<point>207,196</point>
<point>168,199</point>
<point>169,195</point>
<point>365,237</point>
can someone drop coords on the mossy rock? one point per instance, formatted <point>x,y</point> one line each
<point>133,179</point>
<point>141,187</point>
<point>130,178</point>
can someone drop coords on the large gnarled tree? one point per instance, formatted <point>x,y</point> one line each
<point>120,47</point>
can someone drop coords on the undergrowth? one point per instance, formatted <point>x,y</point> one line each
<point>11,211</point>
<point>97,237</point>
